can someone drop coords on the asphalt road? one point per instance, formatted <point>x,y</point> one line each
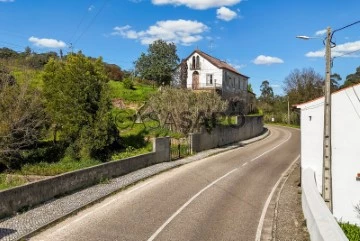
<point>218,198</point>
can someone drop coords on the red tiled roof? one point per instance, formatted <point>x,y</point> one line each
<point>217,62</point>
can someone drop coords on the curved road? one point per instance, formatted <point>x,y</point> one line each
<point>221,197</point>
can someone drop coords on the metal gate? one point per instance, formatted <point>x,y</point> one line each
<point>179,148</point>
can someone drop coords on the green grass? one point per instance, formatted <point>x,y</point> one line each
<point>51,169</point>
<point>140,93</point>
<point>229,120</point>
<point>351,231</point>
<point>9,183</point>
<point>130,152</point>
<point>34,76</point>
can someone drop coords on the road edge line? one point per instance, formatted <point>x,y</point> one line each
<point>268,200</point>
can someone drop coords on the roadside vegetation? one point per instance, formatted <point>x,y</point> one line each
<point>61,113</point>
<point>299,86</point>
<point>351,231</point>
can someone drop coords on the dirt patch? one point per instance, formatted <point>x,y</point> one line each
<point>25,178</point>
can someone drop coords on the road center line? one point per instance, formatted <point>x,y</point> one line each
<point>108,202</point>
<point>267,203</point>
<point>187,203</point>
<point>158,231</point>
<point>272,148</point>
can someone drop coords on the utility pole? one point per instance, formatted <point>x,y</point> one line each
<point>327,175</point>
<point>288,119</point>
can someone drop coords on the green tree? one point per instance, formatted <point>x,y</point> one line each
<point>159,62</point>
<point>6,53</point>
<point>27,51</point>
<point>114,72</point>
<point>77,100</point>
<point>335,78</point>
<point>303,85</point>
<point>352,79</point>
<point>267,93</point>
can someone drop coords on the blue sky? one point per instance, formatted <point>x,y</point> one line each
<point>255,36</point>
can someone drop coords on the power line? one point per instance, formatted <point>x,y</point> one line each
<point>92,21</point>
<point>349,53</point>
<point>78,26</point>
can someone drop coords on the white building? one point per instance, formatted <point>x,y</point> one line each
<point>345,131</point>
<point>205,72</point>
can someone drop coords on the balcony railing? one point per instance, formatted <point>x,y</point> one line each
<point>195,67</point>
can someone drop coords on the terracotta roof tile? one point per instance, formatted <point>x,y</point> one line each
<point>217,62</point>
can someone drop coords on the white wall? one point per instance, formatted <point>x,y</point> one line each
<point>205,68</point>
<point>345,148</point>
<point>346,153</point>
<point>312,122</point>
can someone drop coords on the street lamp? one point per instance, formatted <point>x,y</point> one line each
<point>327,176</point>
<point>304,37</point>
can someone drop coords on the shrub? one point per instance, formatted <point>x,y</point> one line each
<point>184,111</point>
<point>128,84</point>
<point>351,231</point>
<point>22,121</point>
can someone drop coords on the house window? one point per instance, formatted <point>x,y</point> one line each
<point>193,63</point>
<point>209,79</point>
<point>197,66</point>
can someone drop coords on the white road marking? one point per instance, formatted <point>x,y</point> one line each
<point>244,164</point>
<point>158,231</point>
<point>272,148</point>
<point>100,207</point>
<point>262,218</point>
<point>187,203</point>
<point>137,188</point>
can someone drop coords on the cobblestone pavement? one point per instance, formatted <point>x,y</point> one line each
<point>289,223</point>
<point>21,225</point>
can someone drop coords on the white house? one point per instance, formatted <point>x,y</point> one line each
<point>205,72</point>
<point>345,132</point>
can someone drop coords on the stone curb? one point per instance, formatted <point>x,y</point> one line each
<point>269,227</point>
<point>134,177</point>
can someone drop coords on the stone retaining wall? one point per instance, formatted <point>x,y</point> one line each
<point>34,193</point>
<point>246,128</point>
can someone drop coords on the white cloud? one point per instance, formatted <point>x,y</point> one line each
<point>92,7</point>
<point>262,59</point>
<point>198,4</point>
<point>321,32</point>
<point>4,1</point>
<point>225,14</point>
<point>47,43</point>
<point>238,66</point>
<point>345,50</point>
<point>184,32</point>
